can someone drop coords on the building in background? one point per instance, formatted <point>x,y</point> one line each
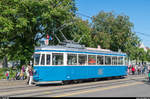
<point>143,46</point>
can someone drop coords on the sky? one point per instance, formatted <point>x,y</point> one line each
<point>137,10</point>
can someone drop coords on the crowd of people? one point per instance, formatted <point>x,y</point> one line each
<point>23,74</point>
<point>28,72</point>
<point>139,70</point>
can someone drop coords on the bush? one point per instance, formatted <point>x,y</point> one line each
<point>12,73</point>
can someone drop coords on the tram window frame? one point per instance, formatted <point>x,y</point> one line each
<point>62,61</point>
<point>76,63</point>
<point>43,59</point>
<point>94,60</point>
<point>107,60</point>
<point>102,60</point>
<point>114,60</point>
<point>86,59</point>
<point>126,62</point>
<point>49,59</point>
<point>120,62</point>
<point>39,59</point>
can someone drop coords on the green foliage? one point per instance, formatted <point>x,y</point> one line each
<point>24,22</point>
<point>114,32</point>
<point>79,29</point>
<point>12,72</point>
<point>148,55</point>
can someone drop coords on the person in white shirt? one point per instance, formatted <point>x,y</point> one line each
<point>27,73</point>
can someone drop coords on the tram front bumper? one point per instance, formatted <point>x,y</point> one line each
<point>35,79</point>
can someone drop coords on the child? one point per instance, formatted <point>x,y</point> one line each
<point>7,75</point>
<point>21,75</point>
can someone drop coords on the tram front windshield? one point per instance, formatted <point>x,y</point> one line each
<point>36,59</point>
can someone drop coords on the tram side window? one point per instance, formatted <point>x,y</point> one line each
<point>57,58</point>
<point>43,59</point>
<point>107,60</point>
<point>126,61</point>
<point>114,60</point>
<point>48,59</point>
<point>100,60</point>
<point>72,59</point>
<point>91,60</point>
<point>82,59</point>
<point>120,60</point>
<point>36,59</point>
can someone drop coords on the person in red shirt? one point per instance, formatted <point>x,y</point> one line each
<point>133,70</point>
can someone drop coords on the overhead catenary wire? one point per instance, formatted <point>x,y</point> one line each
<point>144,34</point>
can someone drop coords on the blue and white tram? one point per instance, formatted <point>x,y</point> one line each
<point>59,63</point>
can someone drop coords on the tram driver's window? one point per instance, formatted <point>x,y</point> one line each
<point>82,59</point>
<point>57,58</point>
<point>100,60</point>
<point>48,59</point>
<point>36,59</point>
<point>43,59</point>
<point>107,60</point>
<point>72,59</point>
<point>91,59</point>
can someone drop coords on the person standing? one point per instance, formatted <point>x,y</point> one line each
<point>27,73</point>
<point>149,75</point>
<point>22,71</point>
<point>133,70</point>
<point>31,75</point>
<point>128,71</point>
<point>139,70</point>
<point>7,75</point>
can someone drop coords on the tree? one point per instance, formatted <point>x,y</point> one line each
<point>148,55</point>
<point>114,32</point>
<point>100,31</point>
<point>80,31</point>
<point>24,22</point>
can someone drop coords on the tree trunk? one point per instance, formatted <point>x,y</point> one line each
<point>5,64</point>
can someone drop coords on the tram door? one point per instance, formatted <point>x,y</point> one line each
<point>71,65</point>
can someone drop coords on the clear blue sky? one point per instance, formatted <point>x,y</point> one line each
<point>137,10</point>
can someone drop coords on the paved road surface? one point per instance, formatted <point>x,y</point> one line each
<point>132,86</point>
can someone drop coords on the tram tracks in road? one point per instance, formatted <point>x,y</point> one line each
<point>71,88</point>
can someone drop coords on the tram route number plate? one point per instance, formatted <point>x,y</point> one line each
<point>100,71</point>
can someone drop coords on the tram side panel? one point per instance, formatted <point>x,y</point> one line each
<point>50,73</point>
<point>59,73</point>
<point>85,72</point>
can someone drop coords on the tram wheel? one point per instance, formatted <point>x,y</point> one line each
<point>65,82</point>
<point>80,81</point>
<point>75,81</point>
<point>96,79</point>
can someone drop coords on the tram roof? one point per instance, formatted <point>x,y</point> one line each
<point>86,49</point>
